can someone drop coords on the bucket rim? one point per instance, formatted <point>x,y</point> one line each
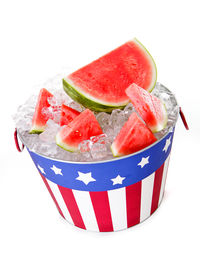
<point>114,158</point>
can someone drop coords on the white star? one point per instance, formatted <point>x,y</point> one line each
<point>86,178</point>
<point>41,169</point>
<point>56,170</point>
<point>143,162</point>
<point>167,144</point>
<point>118,180</point>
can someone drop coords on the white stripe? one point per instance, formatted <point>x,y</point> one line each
<point>117,201</point>
<point>60,201</point>
<point>146,196</point>
<point>163,179</point>
<point>84,203</point>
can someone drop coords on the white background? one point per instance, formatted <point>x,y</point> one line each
<point>38,40</point>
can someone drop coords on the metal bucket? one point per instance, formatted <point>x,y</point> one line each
<point>108,195</point>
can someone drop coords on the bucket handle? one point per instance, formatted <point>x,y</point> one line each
<point>183,119</point>
<point>20,149</point>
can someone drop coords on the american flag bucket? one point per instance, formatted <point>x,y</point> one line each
<point>109,195</point>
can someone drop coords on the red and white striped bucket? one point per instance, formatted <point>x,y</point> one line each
<point>108,195</point>
<point>110,210</point>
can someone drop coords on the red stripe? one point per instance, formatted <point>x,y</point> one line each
<point>102,212</point>
<point>165,175</point>
<point>72,206</point>
<point>52,195</point>
<point>133,199</point>
<point>156,188</point>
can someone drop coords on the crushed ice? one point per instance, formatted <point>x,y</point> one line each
<point>98,147</point>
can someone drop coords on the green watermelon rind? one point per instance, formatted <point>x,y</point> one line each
<point>64,145</point>
<point>153,64</point>
<point>36,130</point>
<point>86,102</point>
<point>114,151</point>
<point>163,124</point>
<point>94,104</point>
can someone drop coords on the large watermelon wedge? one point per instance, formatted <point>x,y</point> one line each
<point>134,136</point>
<point>81,128</point>
<point>101,85</point>
<point>39,118</point>
<point>151,109</point>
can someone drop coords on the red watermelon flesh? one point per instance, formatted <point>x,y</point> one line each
<point>101,84</point>
<point>149,107</point>
<point>67,115</point>
<point>134,136</point>
<point>81,128</point>
<point>40,118</point>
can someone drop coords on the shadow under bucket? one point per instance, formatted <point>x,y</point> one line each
<point>108,195</point>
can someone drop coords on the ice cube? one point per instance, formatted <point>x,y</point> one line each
<point>100,147</point>
<point>63,154</point>
<point>52,101</point>
<point>103,119</point>
<point>116,122</point>
<point>99,138</point>
<point>62,98</point>
<point>98,150</point>
<point>128,110</point>
<point>117,118</point>
<point>47,112</point>
<point>114,117</point>
<point>24,115</point>
<point>76,106</point>
<point>110,133</point>
<point>85,156</point>
<point>52,112</point>
<point>50,132</point>
<point>85,146</point>
<point>56,116</point>
<point>59,98</point>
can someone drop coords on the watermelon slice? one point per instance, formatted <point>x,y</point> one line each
<point>67,115</point>
<point>40,118</point>
<point>151,109</point>
<point>81,128</point>
<point>101,85</point>
<point>134,136</point>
